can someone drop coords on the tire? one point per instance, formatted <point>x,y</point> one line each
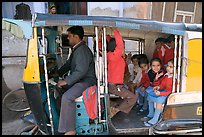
<point>24,128</point>
<point>16,100</point>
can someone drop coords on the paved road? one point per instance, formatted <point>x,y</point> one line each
<point>10,121</point>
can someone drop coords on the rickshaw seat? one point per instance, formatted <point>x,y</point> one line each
<point>79,99</point>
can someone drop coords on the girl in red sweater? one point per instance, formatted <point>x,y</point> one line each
<point>159,95</point>
<point>153,78</point>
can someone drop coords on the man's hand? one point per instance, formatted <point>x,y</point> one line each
<point>61,83</point>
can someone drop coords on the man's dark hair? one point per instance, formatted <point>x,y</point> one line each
<point>143,61</point>
<point>77,30</point>
<point>160,39</point>
<point>111,45</point>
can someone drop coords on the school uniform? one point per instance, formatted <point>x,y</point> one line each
<point>149,83</point>
<point>159,53</point>
<point>116,70</point>
<point>169,54</point>
<point>165,90</point>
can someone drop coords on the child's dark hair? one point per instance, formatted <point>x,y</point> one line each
<point>160,39</point>
<point>135,56</point>
<point>143,61</point>
<point>111,45</point>
<point>155,59</point>
<point>142,56</point>
<point>77,30</point>
<point>172,61</point>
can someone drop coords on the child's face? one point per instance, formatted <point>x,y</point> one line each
<point>170,68</point>
<point>158,45</point>
<point>144,66</point>
<point>156,66</point>
<point>135,62</point>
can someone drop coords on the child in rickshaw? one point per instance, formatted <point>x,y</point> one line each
<point>144,82</point>
<point>159,95</point>
<point>155,75</point>
<point>135,73</point>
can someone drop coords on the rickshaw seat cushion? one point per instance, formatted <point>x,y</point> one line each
<point>90,101</point>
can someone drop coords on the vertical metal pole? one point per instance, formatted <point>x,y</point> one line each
<point>98,69</point>
<point>46,80</point>
<point>175,62</point>
<point>139,47</point>
<point>101,62</point>
<point>105,62</point>
<point>179,65</point>
<point>106,74</point>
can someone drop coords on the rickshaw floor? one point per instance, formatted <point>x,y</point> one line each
<point>132,120</point>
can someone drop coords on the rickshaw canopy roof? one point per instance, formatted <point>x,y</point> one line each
<point>142,25</point>
<point>119,22</point>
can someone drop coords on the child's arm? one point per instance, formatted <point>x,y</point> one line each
<point>158,78</point>
<point>145,82</point>
<point>138,76</point>
<point>118,52</point>
<point>163,85</point>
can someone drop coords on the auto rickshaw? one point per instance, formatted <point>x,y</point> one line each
<point>48,49</point>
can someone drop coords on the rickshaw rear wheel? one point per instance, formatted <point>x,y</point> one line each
<point>16,100</point>
<point>25,129</point>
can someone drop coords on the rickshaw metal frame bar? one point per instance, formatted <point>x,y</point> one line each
<point>105,70</point>
<point>105,62</point>
<point>102,64</point>
<point>46,80</point>
<point>179,131</point>
<point>175,62</point>
<point>179,64</point>
<point>98,79</point>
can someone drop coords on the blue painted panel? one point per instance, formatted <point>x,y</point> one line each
<point>80,22</point>
<point>40,23</point>
<point>127,25</point>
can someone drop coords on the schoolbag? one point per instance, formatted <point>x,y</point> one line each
<point>90,101</point>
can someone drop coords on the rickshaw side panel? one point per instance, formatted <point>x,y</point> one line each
<point>31,71</point>
<point>194,68</point>
<point>184,105</point>
<point>34,99</point>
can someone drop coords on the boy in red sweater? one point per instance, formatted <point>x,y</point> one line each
<point>159,51</point>
<point>169,49</point>
<point>116,70</point>
<point>159,95</point>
